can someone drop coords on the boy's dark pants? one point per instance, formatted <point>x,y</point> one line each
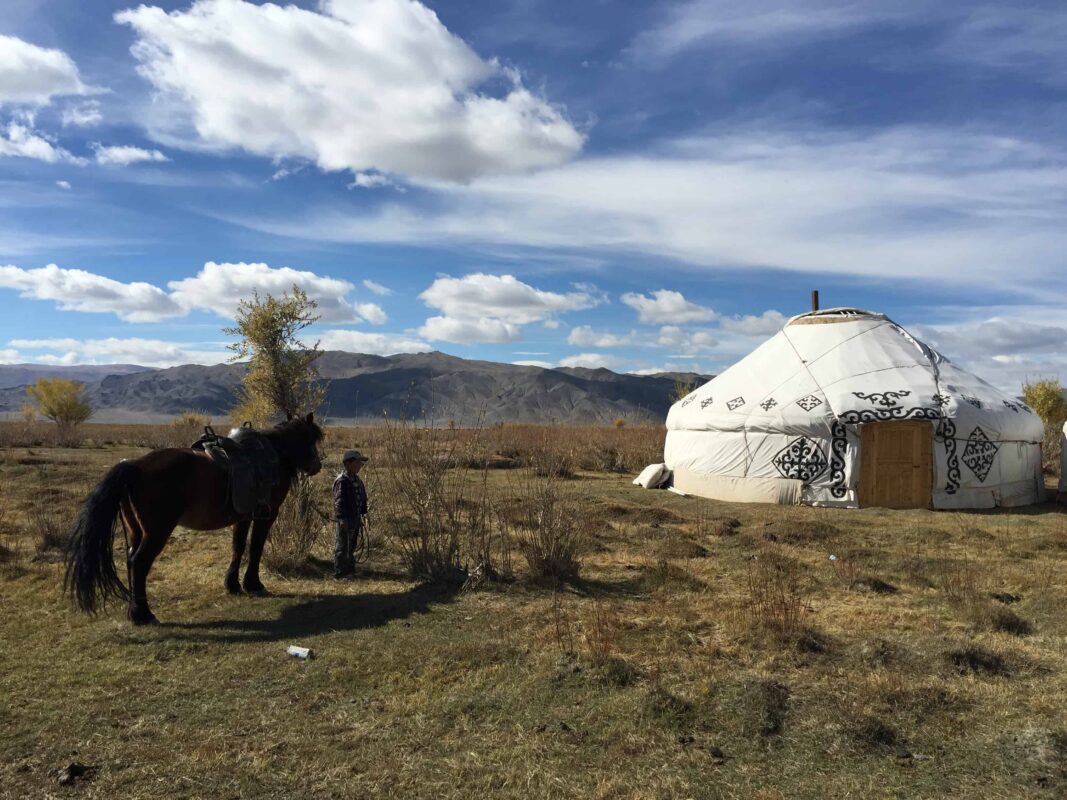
<point>348,531</point>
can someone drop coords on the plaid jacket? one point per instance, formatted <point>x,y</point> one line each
<point>349,497</point>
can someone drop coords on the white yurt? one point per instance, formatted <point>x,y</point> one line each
<point>843,407</point>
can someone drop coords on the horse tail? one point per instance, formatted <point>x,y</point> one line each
<point>91,578</point>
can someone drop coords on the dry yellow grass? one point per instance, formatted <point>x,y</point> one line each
<point>657,675</point>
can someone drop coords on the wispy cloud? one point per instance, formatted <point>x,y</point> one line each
<point>906,203</point>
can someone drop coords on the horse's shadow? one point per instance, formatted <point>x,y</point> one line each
<point>320,615</point>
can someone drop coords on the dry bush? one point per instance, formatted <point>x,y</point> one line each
<point>777,591</point>
<point>547,524</point>
<point>1051,449</point>
<point>50,522</point>
<point>440,519</point>
<point>299,528</point>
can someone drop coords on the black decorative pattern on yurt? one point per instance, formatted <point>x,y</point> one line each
<point>736,403</point>
<point>838,447</point>
<point>801,460</point>
<point>946,432</point>
<point>808,402</point>
<point>941,399</point>
<point>1013,406</point>
<point>854,416</point>
<point>979,453</point>
<point>687,400</point>
<point>707,401</point>
<point>884,399</point>
<point>974,401</point>
<point>768,404</point>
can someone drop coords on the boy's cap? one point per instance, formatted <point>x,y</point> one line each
<point>353,455</point>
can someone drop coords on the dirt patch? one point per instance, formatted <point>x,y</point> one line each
<point>976,660</point>
<point>1006,598</point>
<point>876,585</point>
<point>875,734</point>
<point>1007,621</point>
<point>758,706</point>
<point>925,702</point>
<point>668,709</point>
<point>813,641</point>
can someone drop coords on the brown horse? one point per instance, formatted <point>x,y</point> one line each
<point>154,494</point>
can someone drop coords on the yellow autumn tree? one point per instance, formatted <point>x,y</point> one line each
<point>63,401</point>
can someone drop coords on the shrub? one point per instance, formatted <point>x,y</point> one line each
<point>776,593</point>
<point>437,511</point>
<point>547,526</point>
<point>299,527</point>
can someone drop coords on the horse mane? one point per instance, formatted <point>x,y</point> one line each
<point>289,435</point>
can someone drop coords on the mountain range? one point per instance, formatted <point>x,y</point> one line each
<point>367,388</point>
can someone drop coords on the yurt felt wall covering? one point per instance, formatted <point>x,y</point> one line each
<point>783,424</point>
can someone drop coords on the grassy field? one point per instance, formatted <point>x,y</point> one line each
<point>708,650</point>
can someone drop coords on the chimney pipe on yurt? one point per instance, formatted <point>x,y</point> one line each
<point>814,299</point>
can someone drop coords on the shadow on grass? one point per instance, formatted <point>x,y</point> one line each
<point>319,615</point>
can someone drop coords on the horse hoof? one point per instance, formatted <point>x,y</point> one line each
<point>232,586</point>
<point>257,589</point>
<point>143,618</point>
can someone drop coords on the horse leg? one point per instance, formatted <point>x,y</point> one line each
<point>260,529</point>
<point>240,538</point>
<point>131,528</point>
<point>152,537</point>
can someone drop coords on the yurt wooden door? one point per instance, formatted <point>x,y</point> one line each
<point>896,464</point>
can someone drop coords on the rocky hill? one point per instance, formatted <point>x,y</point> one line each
<point>361,388</point>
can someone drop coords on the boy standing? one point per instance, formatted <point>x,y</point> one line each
<point>349,508</point>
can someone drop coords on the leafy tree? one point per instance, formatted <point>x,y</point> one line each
<point>63,401</point>
<point>1046,398</point>
<point>281,377</point>
<point>682,388</point>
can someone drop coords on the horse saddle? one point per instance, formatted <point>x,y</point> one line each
<point>252,465</point>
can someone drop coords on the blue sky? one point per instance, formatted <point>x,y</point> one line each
<point>642,186</point>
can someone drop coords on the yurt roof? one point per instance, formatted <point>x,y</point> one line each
<point>850,366</point>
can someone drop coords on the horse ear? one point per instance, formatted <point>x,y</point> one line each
<point>288,417</point>
<point>311,418</point>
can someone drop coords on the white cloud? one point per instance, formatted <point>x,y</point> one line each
<point>766,324</point>
<point>585,336</point>
<point>218,287</point>
<point>478,295</point>
<point>124,155</point>
<point>83,115</point>
<point>372,313</point>
<point>593,361</point>
<point>674,338</point>
<point>470,330</point>
<point>666,306</point>
<point>145,352</point>
<point>78,290</point>
<point>22,141</point>
<point>821,201</point>
<point>8,356</point>
<point>1005,351</point>
<point>541,364</point>
<point>759,22</point>
<point>363,85</point>
<point>369,180</point>
<point>63,184</point>
<point>377,288</point>
<point>34,75</point>
<point>383,344</point>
